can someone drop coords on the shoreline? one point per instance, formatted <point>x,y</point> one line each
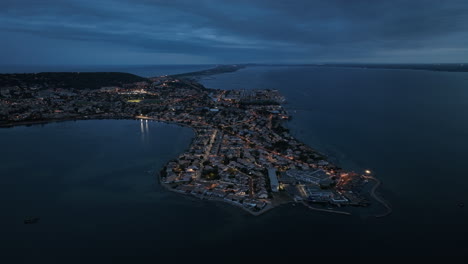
<point>58,120</point>
<point>263,204</point>
<point>269,206</point>
<point>379,199</point>
<point>325,210</point>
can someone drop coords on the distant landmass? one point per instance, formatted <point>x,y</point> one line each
<point>213,71</point>
<point>75,80</point>
<point>446,67</point>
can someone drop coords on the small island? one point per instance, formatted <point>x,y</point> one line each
<point>241,154</point>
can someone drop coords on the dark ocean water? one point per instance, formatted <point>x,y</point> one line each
<point>140,70</point>
<point>93,183</point>
<point>409,127</point>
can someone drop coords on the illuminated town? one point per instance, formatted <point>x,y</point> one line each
<point>241,154</point>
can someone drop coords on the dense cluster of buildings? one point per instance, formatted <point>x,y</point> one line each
<point>241,154</point>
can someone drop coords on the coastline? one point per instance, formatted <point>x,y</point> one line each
<point>379,199</point>
<point>269,205</point>
<point>58,120</point>
<point>444,67</point>
<point>267,208</point>
<point>273,155</point>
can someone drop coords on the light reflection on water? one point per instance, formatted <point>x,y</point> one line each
<point>144,130</point>
<point>75,177</point>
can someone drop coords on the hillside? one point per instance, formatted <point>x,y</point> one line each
<point>76,80</point>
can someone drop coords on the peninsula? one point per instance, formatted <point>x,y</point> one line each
<point>242,153</point>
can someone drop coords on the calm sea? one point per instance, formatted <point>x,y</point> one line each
<point>92,183</point>
<point>409,127</point>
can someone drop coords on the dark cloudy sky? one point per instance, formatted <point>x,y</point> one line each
<point>232,31</point>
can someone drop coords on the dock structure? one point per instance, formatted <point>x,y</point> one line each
<point>273,179</point>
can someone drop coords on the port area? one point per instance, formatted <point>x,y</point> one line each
<point>359,191</point>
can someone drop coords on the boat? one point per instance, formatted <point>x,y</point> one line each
<point>31,220</point>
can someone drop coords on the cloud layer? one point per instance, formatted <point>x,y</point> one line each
<point>222,31</point>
